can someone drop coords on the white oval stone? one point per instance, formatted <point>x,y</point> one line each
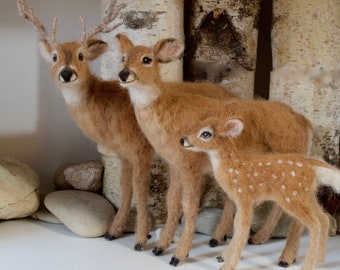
<point>87,214</point>
<point>19,189</point>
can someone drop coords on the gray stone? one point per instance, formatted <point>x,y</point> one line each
<point>19,189</point>
<point>59,177</point>
<point>87,214</point>
<point>85,176</point>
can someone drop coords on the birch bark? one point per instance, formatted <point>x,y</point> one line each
<point>306,75</point>
<point>222,43</point>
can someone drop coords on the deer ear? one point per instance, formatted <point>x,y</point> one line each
<point>94,49</point>
<point>168,50</point>
<point>45,50</point>
<point>233,128</point>
<point>124,43</point>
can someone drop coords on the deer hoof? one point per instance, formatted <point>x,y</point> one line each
<point>158,251</point>
<point>220,258</point>
<point>139,247</point>
<point>283,264</point>
<point>174,261</point>
<point>109,236</point>
<point>213,243</point>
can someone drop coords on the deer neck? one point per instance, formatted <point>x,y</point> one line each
<point>223,160</point>
<point>143,95</point>
<point>74,94</point>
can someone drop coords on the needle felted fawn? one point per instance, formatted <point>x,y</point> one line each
<point>164,110</point>
<point>290,180</point>
<point>103,111</point>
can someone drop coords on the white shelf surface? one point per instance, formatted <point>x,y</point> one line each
<point>30,244</point>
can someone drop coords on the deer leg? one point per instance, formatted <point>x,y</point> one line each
<point>225,225</point>
<point>141,183</point>
<point>266,231</point>
<point>117,226</point>
<point>324,220</point>
<point>174,209</point>
<point>289,253</point>
<point>304,211</point>
<point>242,222</point>
<point>192,189</point>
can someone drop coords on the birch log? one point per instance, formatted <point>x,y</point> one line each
<point>145,22</point>
<point>222,43</point>
<point>306,75</point>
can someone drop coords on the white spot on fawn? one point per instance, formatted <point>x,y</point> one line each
<point>293,173</point>
<point>287,200</point>
<point>237,172</point>
<point>256,174</point>
<point>290,162</point>
<point>260,184</point>
<point>260,164</point>
<point>280,161</point>
<point>251,187</point>
<point>283,187</point>
<point>239,190</point>
<point>235,181</point>
<point>268,163</point>
<point>274,176</point>
<point>230,170</point>
<point>294,192</point>
<point>299,164</point>
<point>283,174</point>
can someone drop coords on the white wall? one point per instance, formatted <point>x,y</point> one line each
<point>35,126</point>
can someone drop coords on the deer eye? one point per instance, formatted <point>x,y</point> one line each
<point>205,135</point>
<point>123,59</point>
<point>80,57</point>
<point>146,60</point>
<point>55,57</point>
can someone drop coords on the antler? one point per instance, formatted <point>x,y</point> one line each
<point>28,14</point>
<point>111,14</point>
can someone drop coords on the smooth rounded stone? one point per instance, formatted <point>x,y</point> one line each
<point>207,219</point>
<point>19,189</point>
<point>87,214</point>
<point>44,215</point>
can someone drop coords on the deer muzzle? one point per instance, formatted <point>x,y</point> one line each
<point>67,75</point>
<point>127,76</point>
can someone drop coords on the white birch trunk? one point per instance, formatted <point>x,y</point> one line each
<point>144,22</point>
<point>223,43</point>
<point>306,75</point>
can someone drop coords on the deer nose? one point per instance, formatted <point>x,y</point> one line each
<point>123,75</point>
<point>67,75</point>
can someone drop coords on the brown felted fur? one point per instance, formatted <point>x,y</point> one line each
<point>290,180</point>
<point>164,111</point>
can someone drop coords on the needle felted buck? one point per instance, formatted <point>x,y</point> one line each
<point>164,110</point>
<point>290,180</point>
<point>103,111</point>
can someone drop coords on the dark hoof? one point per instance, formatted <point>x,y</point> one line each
<point>220,259</point>
<point>109,237</point>
<point>139,247</point>
<point>174,261</point>
<point>213,243</point>
<point>158,251</point>
<point>283,264</point>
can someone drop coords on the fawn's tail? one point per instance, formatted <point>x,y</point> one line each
<point>326,174</point>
